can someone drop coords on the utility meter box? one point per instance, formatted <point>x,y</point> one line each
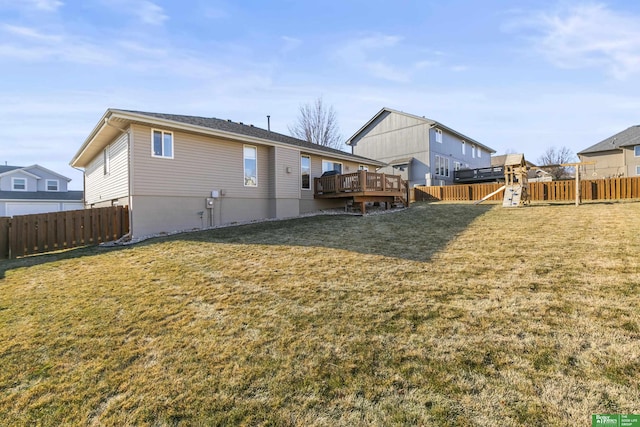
<point>210,202</point>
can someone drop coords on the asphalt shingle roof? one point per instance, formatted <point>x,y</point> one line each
<point>627,137</point>
<point>4,169</point>
<point>243,129</point>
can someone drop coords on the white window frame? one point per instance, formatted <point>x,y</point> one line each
<point>442,166</point>
<point>638,170</point>
<point>106,167</point>
<point>54,181</point>
<point>305,156</point>
<point>324,162</point>
<point>244,165</point>
<point>456,166</point>
<point>163,133</point>
<point>464,147</point>
<point>363,168</point>
<point>479,151</point>
<point>13,184</point>
<point>473,151</point>
<point>438,135</point>
<point>636,150</point>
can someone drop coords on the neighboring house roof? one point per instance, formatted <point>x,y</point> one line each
<point>204,125</point>
<point>627,137</point>
<point>4,169</point>
<point>42,195</point>
<point>8,170</point>
<point>430,122</point>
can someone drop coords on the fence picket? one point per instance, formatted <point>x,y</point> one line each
<point>30,234</point>
<point>554,191</point>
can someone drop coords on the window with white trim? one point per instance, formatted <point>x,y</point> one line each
<point>19,184</point>
<point>464,147</point>
<point>328,165</point>
<point>456,166</point>
<point>305,170</point>
<point>106,162</point>
<point>438,135</point>
<point>52,185</point>
<point>473,151</point>
<point>162,144</point>
<point>250,154</point>
<point>479,150</point>
<point>363,168</point>
<point>442,166</point>
<point>636,150</point>
<point>637,170</point>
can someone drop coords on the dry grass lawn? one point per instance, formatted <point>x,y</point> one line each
<point>443,314</point>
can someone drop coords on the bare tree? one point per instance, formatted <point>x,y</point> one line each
<point>557,156</point>
<point>317,124</point>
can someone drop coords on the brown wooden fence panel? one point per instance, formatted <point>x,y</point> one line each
<point>31,234</point>
<point>554,191</point>
<point>4,237</point>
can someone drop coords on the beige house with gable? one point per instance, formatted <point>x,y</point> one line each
<point>179,172</point>
<point>616,156</point>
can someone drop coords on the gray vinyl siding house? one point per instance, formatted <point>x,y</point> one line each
<point>181,173</point>
<point>421,150</point>
<point>616,156</point>
<point>35,189</point>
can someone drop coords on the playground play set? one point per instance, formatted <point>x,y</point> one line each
<point>516,186</point>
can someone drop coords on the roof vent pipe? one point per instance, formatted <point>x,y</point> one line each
<point>269,123</point>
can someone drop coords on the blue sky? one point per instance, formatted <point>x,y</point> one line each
<point>516,76</point>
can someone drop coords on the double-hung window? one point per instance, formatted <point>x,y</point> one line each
<point>52,185</point>
<point>162,144</point>
<point>19,184</point>
<point>637,170</point>
<point>250,154</point>
<point>636,150</point>
<point>473,151</point>
<point>305,170</point>
<point>464,147</point>
<point>438,135</point>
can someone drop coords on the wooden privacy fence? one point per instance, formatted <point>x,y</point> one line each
<point>560,191</point>
<point>37,233</point>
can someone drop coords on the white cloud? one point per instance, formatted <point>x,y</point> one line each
<point>587,36</point>
<point>290,43</point>
<point>39,5</point>
<point>46,5</point>
<point>366,53</point>
<point>149,12</point>
<point>30,33</point>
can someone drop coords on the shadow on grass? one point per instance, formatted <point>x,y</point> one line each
<point>414,234</point>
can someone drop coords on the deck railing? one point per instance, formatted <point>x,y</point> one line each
<point>361,181</point>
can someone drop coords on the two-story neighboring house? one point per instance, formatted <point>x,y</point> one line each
<point>616,156</point>
<point>178,172</point>
<point>421,150</point>
<point>35,189</point>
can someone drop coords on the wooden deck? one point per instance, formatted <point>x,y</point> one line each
<point>362,187</point>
